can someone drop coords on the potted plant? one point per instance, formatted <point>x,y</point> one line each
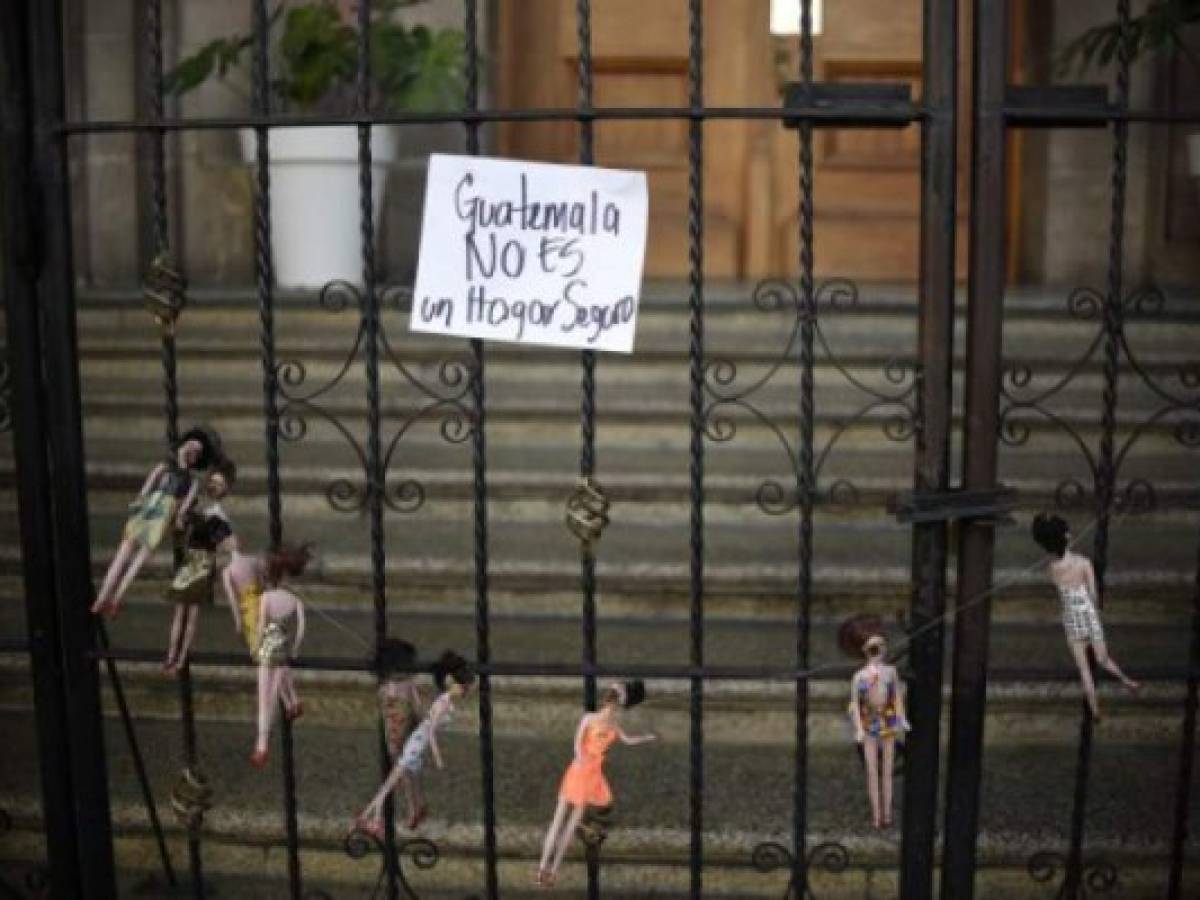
<point>1159,25</point>
<point>315,218</point>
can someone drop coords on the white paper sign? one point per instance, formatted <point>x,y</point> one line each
<point>531,252</point>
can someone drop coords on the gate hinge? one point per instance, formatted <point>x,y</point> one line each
<point>993,506</point>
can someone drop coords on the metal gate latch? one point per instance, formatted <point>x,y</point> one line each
<point>587,512</point>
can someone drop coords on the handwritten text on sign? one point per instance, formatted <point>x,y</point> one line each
<point>531,252</point>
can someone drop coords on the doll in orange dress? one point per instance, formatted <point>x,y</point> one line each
<point>584,784</point>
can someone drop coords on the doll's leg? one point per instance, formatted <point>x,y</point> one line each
<point>1107,662</point>
<point>177,630</point>
<point>417,804</point>
<point>287,693</point>
<point>568,832</point>
<point>1079,651</point>
<point>871,752</point>
<point>191,616</point>
<point>131,571</point>
<point>115,568</point>
<point>889,762</point>
<point>560,815</point>
<point>268,687</point>
<point>374,809</point>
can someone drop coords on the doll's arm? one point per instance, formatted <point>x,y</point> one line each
<point>901,709</point>
<point>181,517</point>
<point>234,607</point>
<point>1090,575</point>
<point>152,479</point>
<point>634,739</point>
<point>852,710</point>
<point>434,749</point>
<point>416,701</point>
<point>299,629</point>
<point>583,722</point>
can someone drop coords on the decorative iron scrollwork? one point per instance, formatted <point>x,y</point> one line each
<point>1096,877</point>
<point>829,856</point>
<point>587,512</point>
<point>595,825</point>
<point>351,495</point>
<point>163,292</point>
<point>191,798</point>
<point>897,406</point>
<point>422,851</point>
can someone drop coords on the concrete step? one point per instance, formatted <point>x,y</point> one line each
<point>1026,801</point>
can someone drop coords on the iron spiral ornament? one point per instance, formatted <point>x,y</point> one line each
<point>830,857</point>
<point>422,853</point>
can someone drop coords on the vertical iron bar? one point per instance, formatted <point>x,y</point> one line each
<point>931,472</point>
<point>696,468</point>
<point>1105,466</point>
<point>587,416</point>
<point>155,143</point>
<point>985,307</point>
<point>1187,750</point>
<point>805,485</point>
<point>265,277</point>
<point>483,649</point>
<point>63,417</point>
<point>18,280</point>
<point>374,473</point>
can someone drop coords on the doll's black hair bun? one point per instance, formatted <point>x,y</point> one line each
<point>396,655</point>
<point>210,445</point>
<point>1050,533</point>
<point>635,693</point>
<point>451,665</point>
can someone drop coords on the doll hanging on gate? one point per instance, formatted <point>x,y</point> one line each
<point>584,785</point>
<point>876,710</point>
<point>401,706</point>
<point>1075,580</point>
<point>453,676</point>
<point>280,631</point>
<point>164,502</point>
<point>208,532</point>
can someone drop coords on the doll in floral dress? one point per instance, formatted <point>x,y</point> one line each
<point>164,503</point>
<point>876,711</point>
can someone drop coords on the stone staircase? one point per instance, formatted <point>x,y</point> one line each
<point>642,453</point>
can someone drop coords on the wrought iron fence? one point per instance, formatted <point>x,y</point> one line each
<point>915,406</point>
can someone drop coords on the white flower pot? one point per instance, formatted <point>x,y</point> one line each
<point>316,217</point>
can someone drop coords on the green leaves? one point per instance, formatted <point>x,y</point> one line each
<point>412,68</point>
<point>1155,28</point>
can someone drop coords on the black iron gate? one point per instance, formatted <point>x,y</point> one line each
<point>43,390</point>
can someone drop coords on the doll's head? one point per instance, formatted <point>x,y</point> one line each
<point>395,658</point>
<point>453,674</point>
<point>198,447</point>
<point>1051,533</point>
<point>221,479</point>
<point>875,647</point>
<point>625,694</point>
<point>857,631</point>
<point>287,560</point>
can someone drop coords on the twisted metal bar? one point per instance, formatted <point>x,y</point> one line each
<point>483,649</point>
<point>265,281</point>
<point>1105,468</point>
<point>1187,750</point>
<point>696,447</point>
<point>170,383</point>
<point>587,411</point>
<point>5,394</point>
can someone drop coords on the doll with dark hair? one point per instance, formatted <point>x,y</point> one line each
<point>280,624</point>
<point>1075,580</point>
<point>401,705</point>
<point>208,532</point>
<point>583,785</point>
<point>453,676</point>
<point>876,710</point>
<point>164,502</point>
